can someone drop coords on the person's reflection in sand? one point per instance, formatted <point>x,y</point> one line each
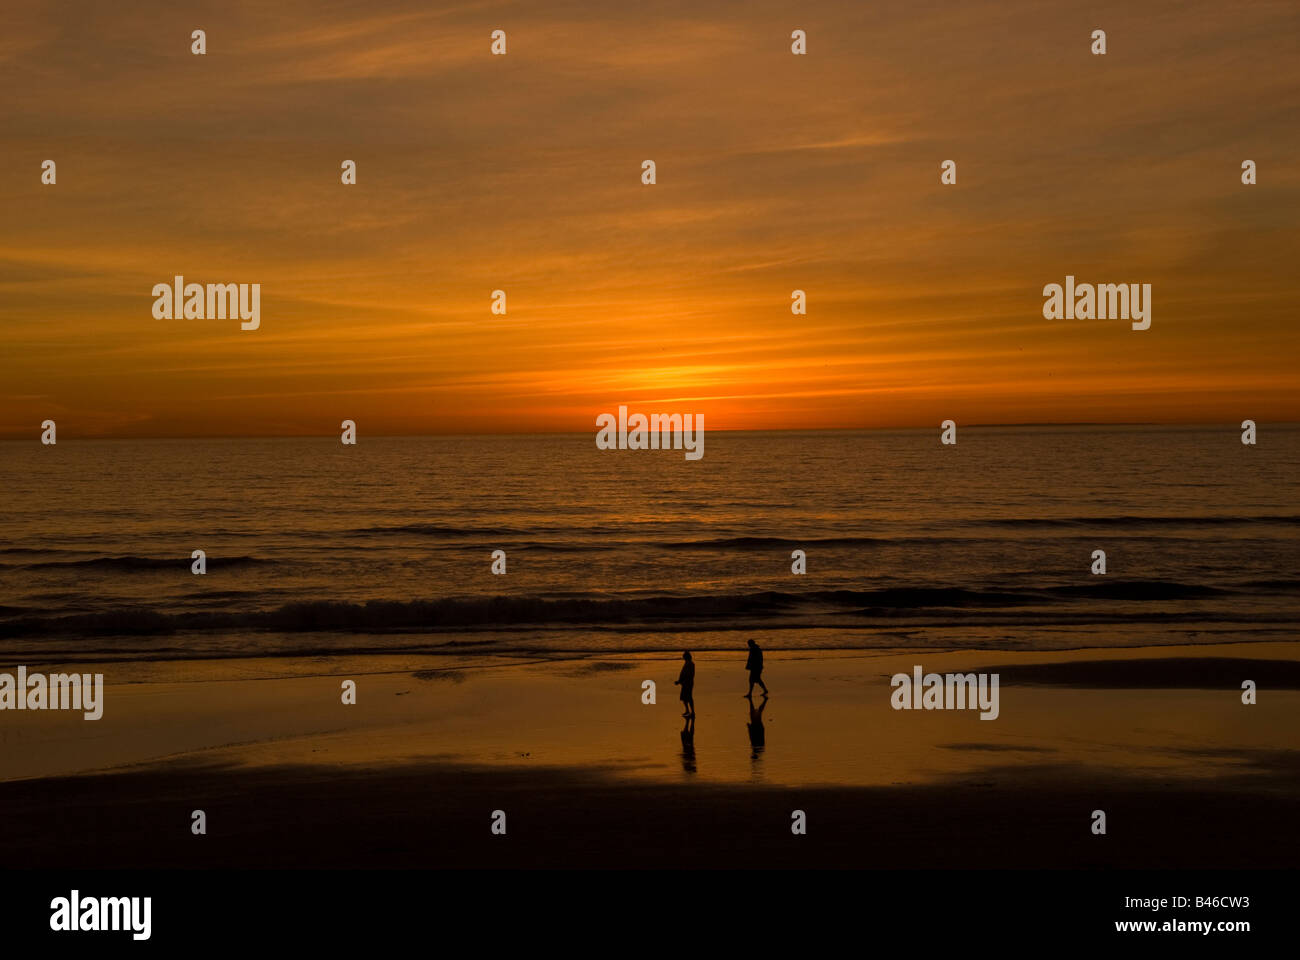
<point>688,745</point>
<point>757,735</point>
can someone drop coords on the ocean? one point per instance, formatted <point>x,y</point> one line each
<point>317,548</point>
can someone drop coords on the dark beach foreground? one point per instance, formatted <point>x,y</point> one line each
<point>436,815</point>
<point>589,776</point>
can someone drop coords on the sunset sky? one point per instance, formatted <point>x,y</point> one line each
<point>522,172</point>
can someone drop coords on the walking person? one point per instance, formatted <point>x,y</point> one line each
<point>686,680</point>
<point>755,667</point>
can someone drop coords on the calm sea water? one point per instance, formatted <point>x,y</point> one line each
<point>316,547</point>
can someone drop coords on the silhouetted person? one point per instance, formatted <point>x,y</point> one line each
<point>757,733</point>
<point>755,667</point>
<point>686,680</point>
<point>688,744</point>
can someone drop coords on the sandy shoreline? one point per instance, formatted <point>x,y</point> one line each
<point>592,776</point>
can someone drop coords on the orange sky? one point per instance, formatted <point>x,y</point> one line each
<point>522,172</point>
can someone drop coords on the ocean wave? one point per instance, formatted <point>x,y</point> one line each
<point>1132,521</point>
<point>764,543</point>
<point>1136,590</point>
<point>439,530</point>
<point>725,543</point>
<point>138,563</point>
<point>567,538</point>
<point>493,612</point>
<point>1282,585</point>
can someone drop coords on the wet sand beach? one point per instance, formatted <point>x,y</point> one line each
<point>590,776</point>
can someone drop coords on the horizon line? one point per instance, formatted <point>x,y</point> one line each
<point>572,433</point>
